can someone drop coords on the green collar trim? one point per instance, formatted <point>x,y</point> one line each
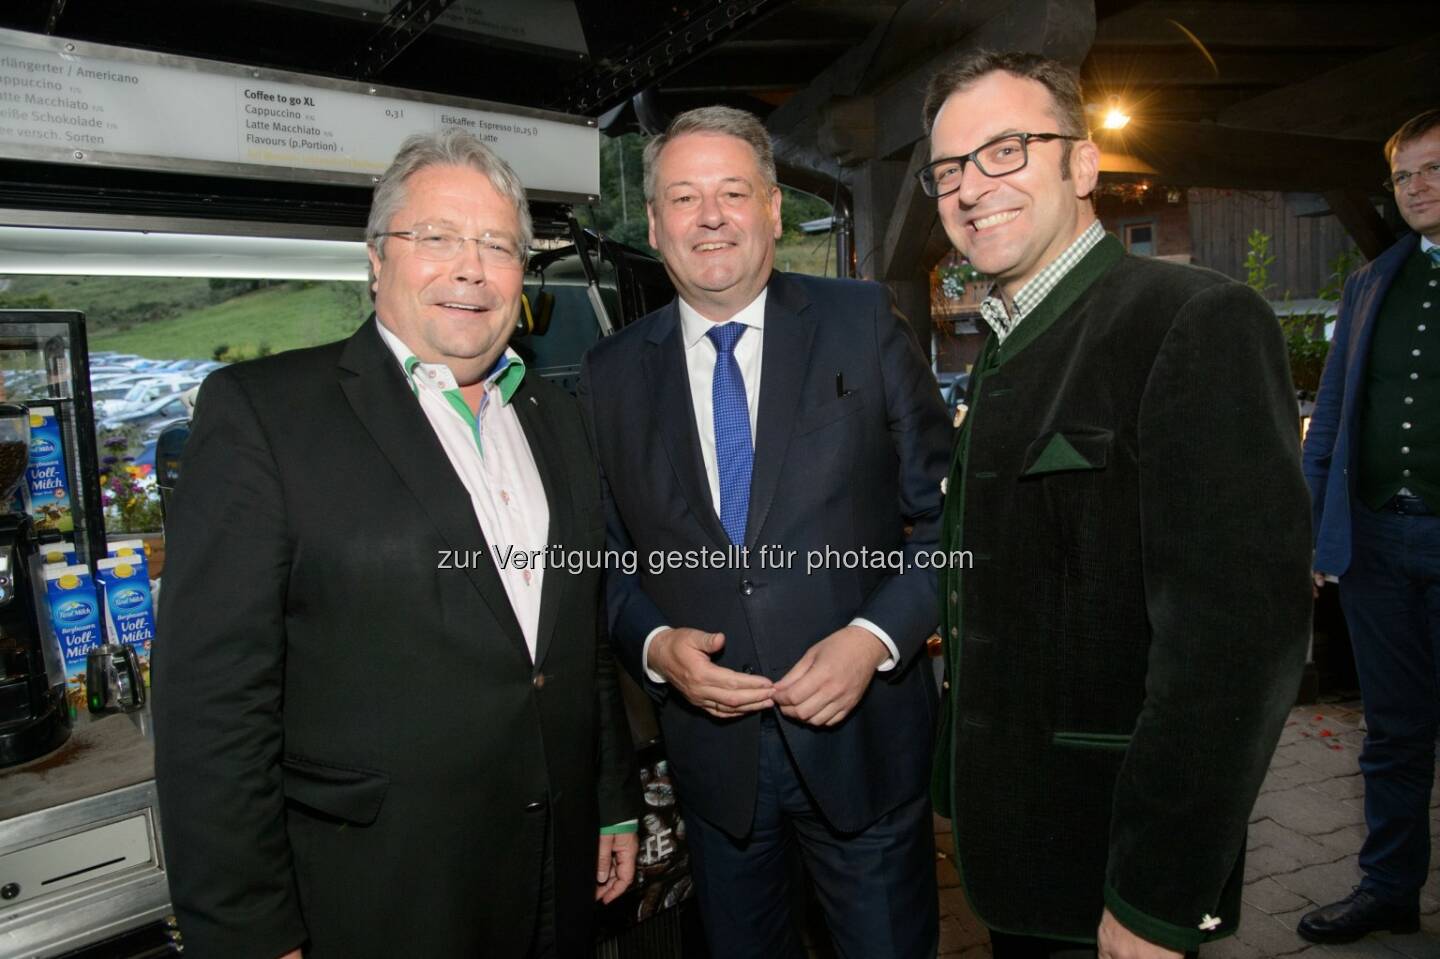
<point>508,373</point>
<point>1081,277</point>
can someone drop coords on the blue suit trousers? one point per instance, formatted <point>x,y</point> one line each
<point>1391,599</point>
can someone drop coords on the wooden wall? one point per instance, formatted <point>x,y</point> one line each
<point>1304,246</point>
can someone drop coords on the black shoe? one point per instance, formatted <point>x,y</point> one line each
<point>1356,916</point>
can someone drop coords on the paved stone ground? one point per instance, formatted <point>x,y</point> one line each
<point>1305,833</point>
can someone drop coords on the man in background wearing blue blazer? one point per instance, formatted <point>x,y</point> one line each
<point>795,418</point>
<point>1372,459</point>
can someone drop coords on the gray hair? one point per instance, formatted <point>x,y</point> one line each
<point>723,120</point>
<point>452,147</point>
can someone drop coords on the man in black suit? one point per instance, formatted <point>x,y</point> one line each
<point>379,732</point>
<point>772,615</point>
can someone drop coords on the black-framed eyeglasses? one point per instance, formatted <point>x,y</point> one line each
<point>1428,173</point>
<point>1002,156</point>
<point>497,250</point>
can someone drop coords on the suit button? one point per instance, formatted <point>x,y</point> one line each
<point>747,668</point>
<point>535,806</point>
<point>539,681</point>
<point>954,632</point>
<point>954,596</point>
<point>747,587</point>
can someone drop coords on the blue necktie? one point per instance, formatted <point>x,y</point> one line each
<point>1434,252</point>
<point>734,455</point>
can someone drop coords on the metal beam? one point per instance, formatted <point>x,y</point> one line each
<point>615,80</point>
<point>53,15</point>
<point>401,27</point>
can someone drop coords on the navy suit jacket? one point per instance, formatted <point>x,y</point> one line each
<point>1330,441</point>
<point>845,472</point>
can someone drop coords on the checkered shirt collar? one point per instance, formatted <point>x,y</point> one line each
<point>1004,314</point>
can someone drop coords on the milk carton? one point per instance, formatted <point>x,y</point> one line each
<point>61,553</point>
<point>75,616</point>
<point>129,609</point>
<point>46,477</point>
<point>128,547</point>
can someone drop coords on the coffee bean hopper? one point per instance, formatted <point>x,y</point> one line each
<point>34,716</point>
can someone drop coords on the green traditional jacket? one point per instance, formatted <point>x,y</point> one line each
<point>1125,646</point>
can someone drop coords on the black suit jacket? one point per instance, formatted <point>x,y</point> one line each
<point>846,473</point>
<point>353,747</point>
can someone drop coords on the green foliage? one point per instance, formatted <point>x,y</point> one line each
<point>227,288</point>
<point>797,208</point>
<point>620,212</point>
<point>113,301</point>
<point>1304,332</point>
<point>32,301</point>
<point>1345,263</point>
<point>1305,342</point>
<point>1257,262</point>
<point>280,316</point>
<point>953,279</point>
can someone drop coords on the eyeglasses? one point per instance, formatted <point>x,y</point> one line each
<point>434,243</point>
<point>1429,173</point>
<point>1000,157</point>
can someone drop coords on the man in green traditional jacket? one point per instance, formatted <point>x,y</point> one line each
<point>1123,650</point>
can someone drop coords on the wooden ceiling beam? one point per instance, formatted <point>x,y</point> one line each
<point>1364,224</point>
<point>1140,68</point>
<point>1366,99</point>
<point>1210,155</point>
<point>1265,24</point>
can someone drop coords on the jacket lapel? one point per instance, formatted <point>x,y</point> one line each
<point>669,383</point>
<point>789,328</point>
<point>550,461</point>
<point>382,400</point>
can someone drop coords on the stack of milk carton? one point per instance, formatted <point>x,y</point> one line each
<point>82,618</point>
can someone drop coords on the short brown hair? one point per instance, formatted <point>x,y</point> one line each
<point>1062,82</point>
<point>717,119</point>
<point>1412,129</point>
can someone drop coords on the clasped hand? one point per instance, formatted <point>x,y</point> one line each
<point>820,690</point>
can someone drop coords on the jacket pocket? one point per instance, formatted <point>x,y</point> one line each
<point>817,417</point>
<point>1063,451</point>
<point>1092,740</point>
<point>351,795</point>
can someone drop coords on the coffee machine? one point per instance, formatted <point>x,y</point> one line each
<point>34,714</point>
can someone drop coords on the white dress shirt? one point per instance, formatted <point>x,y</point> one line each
<point>494,462</point>
<point>700,367</point>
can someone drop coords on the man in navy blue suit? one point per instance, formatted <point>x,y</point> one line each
<point>766,439</point>
<point>1372,459</point>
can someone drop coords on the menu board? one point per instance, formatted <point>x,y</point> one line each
<point>81,103</point>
